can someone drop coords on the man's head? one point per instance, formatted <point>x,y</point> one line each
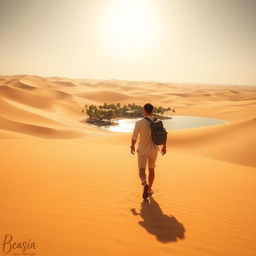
<point>148,108</point>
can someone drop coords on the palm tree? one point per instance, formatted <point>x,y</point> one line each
<point>84,108</point>
<point>173,111</point>
<point>109,114</point>
<point>105,105</point>
<point>168,110</point>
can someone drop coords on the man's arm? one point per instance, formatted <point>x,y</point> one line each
<point>134,138</point>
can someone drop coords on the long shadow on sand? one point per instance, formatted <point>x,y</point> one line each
<point>165,228</point>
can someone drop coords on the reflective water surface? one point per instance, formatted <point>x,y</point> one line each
<point>176,123</point>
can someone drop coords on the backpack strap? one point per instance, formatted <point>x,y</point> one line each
<point>154,119</point>
<point>148,119</point>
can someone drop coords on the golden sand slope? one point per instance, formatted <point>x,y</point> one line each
<point>78,192</point>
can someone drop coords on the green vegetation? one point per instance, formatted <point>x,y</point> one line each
<point>104,114</point>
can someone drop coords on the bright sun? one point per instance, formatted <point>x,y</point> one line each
<point>129,26</point>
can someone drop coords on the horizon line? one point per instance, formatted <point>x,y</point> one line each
<point>132,80</point>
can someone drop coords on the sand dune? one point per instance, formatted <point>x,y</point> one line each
<point>23,85</point>
<point>36,130</point>
<point>25,97</point>
<point>233,142</point>
<point>19,112</point>
<point>68,84</point>
<point>104,96</point>
<point>74,189</point>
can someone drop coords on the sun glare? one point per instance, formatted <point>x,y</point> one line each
<point>129,26</point>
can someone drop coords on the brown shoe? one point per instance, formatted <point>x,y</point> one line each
<point>145,192</point>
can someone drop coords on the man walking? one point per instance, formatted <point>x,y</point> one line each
<point>147,150</point>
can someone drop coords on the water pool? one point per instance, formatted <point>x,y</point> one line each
<point>176,123</point>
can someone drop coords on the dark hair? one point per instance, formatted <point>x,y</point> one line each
<point>149,108</point>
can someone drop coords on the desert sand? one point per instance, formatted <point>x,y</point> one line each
<point>74,189</point>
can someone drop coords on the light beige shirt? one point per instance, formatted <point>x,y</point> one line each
<point>146,144</point>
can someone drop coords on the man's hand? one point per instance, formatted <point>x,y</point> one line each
<point>132,149</point>
<point>163,150</point>
<point>132,146</point>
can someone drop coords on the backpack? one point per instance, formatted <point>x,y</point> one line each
<point>158,132</point>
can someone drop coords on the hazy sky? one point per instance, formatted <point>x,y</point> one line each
<point>192,41</point>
